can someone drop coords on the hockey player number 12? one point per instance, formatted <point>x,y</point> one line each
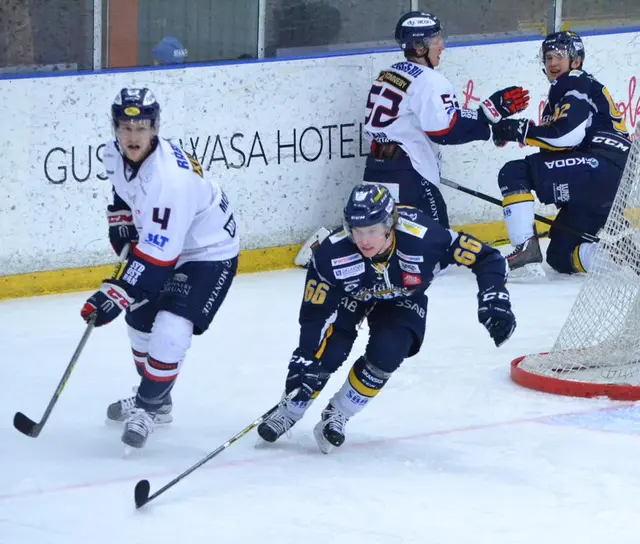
<point>376,111</point>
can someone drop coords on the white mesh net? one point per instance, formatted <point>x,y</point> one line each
<point>600,341</point>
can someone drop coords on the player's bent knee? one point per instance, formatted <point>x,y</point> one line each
<point>367,378</point>
<point>139,340</point>
<point>514,177</point>
<point>390,346</point>
<point>560,259</point>
<point>170,337</point>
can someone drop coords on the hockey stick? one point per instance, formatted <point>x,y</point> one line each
<point>585,236</point>
<point>141,492</point>
<point>25,424</point>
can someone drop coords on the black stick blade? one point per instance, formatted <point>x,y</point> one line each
<point>25,425</point>
<point>141,493</point>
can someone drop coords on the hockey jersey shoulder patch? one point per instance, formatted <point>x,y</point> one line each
<point>337,237</point>
<point>415,229</point>
<point>395,80</point>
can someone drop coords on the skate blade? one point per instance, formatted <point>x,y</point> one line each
<point>531,272</point>
<point>159,421</point>
<point>325,446</point>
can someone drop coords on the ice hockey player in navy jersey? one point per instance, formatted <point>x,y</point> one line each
<point>183,260</point>
<point>411,110</point>
<point>584,145</point>
<point>378,267</point>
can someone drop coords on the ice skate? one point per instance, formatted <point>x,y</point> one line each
<point>122,409</point>
<point>525,261</point>
<point>279,423</point>
<point>137,428</point>
<point>329,432</point>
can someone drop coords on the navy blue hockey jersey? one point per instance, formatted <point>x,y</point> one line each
<point>581,114</point>
<point>420,248</point>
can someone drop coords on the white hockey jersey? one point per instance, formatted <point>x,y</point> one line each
<point>180,214</point>
<point>407,102</point>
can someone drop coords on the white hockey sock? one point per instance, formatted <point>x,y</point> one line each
<point>297,409</point>
<point>364,382</point>
<point>582,256</point>
<point>139,347</point>
<point>518,217</point>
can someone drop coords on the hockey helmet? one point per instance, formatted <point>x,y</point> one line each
<point>415,30</point>
<point>566,41</point>
<point>368,205</point>
<point>135,105</point>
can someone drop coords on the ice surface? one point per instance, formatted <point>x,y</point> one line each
<point>450,452</point>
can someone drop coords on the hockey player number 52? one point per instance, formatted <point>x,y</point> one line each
<point>376,110</point>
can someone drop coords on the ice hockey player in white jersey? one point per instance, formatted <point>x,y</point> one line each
<point>184,256</point>
<point>411,109</point>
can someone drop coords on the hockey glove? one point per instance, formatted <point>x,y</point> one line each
<point>504,103</point>
<point>121,228</point>
<point>494,312</point>
<point>511,130</point>
<point>304,373</point>
<point>106,303</point>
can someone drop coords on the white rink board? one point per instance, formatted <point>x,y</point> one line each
<point>243,121</point>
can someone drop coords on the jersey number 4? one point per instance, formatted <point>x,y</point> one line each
<point>376,109</point>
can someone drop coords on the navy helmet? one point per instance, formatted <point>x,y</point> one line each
<point>135,105</point>
<point>368,205</point>
<point>415,30</point>
<point>567,41</point>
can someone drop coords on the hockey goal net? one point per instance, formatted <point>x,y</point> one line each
<point>597,352</point>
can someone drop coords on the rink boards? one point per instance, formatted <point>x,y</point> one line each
<point>283,137</point>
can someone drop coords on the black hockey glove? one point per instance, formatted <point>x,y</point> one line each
<point>504,103</point>
<point>106,303</point>
<point>511,130</point>
<point>121,228</point>
<point>494,312</point>
<point>305,372</point>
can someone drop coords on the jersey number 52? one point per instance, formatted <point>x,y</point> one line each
<point>382,106</point>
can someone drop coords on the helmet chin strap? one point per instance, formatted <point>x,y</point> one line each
<point>424,56</point>
<point>385,252</point>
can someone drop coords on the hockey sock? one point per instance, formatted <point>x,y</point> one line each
<point>518,217</point>
<point>169,342</point>
<point>139,347</point>
<point>364,382</point>
<point>297,409</point>
<point>582,256</point>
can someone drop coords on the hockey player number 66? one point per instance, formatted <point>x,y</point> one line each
<point>466,253</point>
<point>315,292</point>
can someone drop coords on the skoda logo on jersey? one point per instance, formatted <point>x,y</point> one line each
<point>593,162</point>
